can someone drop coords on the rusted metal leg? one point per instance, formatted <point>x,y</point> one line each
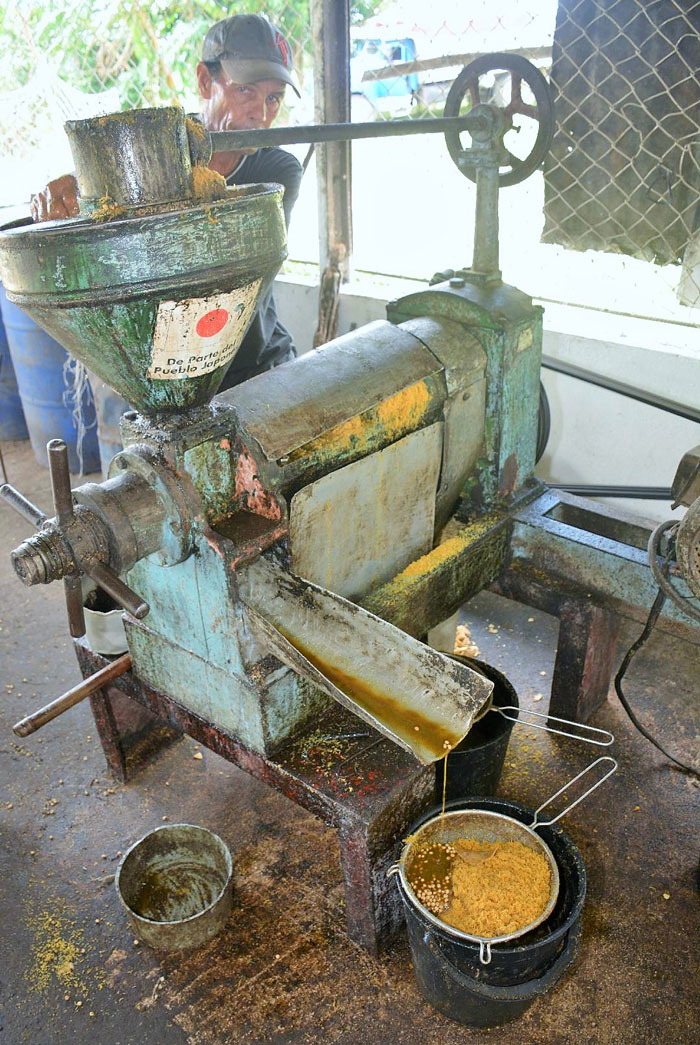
<point>372,903</point>
<point>368,848</point>
<point>130,735</point>
<point>129,732</point>
<point>108,732</point>
<point>585,659</point>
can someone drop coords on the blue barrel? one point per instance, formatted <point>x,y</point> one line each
<point>109,408</point>
<point>12,423</point>
<point>38,361</point>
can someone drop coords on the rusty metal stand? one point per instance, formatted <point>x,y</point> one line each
<point>587,644</point>
<point>358,782</point>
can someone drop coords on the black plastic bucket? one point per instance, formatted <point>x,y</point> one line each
<point>476,764</point>
<point>448,970</point>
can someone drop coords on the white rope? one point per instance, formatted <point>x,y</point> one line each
<point>77,397</point>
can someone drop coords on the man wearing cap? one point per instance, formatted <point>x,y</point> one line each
<point>245,68</point>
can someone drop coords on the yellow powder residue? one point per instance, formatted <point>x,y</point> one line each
<point>107,209</point>
<point>208,185</point>
<point>56,951</point>
<point>448,549</point>
<point>403,411</point>
<point>197,131</point>
<point>497,888</point>
<point>120,117</point>
<point>396,416</point>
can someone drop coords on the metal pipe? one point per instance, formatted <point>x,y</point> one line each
<point>73,591</point>
<point>642,493</point>
<point>688,412</point>
<point>60,480</point>
<point>120,592</point>
<point>31,723</point>
<point>330,31</point>
<point>227,141</point>
<point>485,256</point>
<point>21,505</point>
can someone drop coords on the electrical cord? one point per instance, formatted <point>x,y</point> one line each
<point>660,577</point>
<point>636,646</point>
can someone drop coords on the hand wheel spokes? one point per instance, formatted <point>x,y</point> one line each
<point>516,103</point>
<point>466,88</point>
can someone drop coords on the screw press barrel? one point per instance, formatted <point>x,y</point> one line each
<point>74,543</point>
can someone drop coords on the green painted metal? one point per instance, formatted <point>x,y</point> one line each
<point>96,287</point>
<point>509,328</point>
<point>211,467</point>
<point>437,584</point>
<point>132,158</point>
<point>192,602</point>
<point>591,551</point>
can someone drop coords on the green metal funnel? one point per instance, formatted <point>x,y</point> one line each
<point>156,303</point>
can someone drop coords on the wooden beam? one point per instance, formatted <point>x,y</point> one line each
<point>330,28</point>
<point>422,65</point>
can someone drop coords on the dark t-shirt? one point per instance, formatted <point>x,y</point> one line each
<point>267,342</point>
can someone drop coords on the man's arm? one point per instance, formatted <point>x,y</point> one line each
<point>58,200</point>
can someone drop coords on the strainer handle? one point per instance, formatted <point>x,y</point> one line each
<point>582,726</point>
<point>572,805</point>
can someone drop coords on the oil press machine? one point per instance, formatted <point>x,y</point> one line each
<point>281,550</point>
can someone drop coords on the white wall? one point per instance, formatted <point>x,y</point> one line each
<point>597,436</point>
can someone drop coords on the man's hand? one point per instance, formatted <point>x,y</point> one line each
<point>58,200</point>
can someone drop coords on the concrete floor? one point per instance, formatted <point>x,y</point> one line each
<point>284,970</point>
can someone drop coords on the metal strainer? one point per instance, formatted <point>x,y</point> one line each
<point>486,826</point>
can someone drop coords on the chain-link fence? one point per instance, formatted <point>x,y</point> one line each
<point>70,60</point>
<point>404,59</point>
<point>623,173</point>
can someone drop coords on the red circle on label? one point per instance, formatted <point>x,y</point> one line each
<point>212,323</point>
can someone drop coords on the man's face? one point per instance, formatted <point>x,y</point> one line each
<point>228,106</point>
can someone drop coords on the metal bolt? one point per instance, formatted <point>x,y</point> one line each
<point>457,281</point>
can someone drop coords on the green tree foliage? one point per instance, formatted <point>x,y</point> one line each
<point>148,51</point>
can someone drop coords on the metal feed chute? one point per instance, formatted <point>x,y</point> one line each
<point>146,292</point>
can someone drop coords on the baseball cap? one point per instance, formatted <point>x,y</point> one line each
<point>250,49</point>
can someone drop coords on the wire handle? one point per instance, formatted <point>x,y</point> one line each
<point>517,718</point>
<point>567,809</point>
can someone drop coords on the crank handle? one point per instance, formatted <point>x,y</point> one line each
<point>120,592</point>
<point>21,505</point>
<point>31,723</point>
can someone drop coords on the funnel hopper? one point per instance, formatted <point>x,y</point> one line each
<point>155,304</point>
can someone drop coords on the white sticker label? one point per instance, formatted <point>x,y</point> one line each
<point>526,339</point>
<point>198,335</point>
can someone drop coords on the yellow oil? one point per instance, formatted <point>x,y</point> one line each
<point>411,726</point>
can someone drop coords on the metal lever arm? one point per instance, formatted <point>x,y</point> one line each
<point>120,592</point>
<point>31,723</point>
<point>63,504</point>
<point>72,544</point>
<point>21,505</point>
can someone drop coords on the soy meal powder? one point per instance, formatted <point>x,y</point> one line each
<point>484,889</point>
